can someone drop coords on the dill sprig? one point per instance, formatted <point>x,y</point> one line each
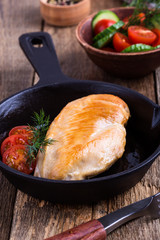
<point>152,19</point>
<point>148,3</point>
<point>38,141</point>
<point>152,15</point>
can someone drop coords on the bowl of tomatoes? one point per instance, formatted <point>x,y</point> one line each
<point>122,41</point>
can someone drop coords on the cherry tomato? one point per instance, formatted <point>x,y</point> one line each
<point>16,157</point>
<point>120,42</point>
<point>13,140</point>
<point>24,130</point>
<point>139,34</point>
<point>157,41</point>
<point>141,17</point>
<point>103,24</point>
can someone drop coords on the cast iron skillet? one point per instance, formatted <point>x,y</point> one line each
<point>53,91</point>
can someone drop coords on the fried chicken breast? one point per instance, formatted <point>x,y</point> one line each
<point>89,136</point>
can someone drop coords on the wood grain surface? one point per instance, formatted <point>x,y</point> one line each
<point>21,216</point>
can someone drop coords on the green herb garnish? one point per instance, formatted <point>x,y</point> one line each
<point>152,15</point>
<point>149,3</point>
<point>38,141</point>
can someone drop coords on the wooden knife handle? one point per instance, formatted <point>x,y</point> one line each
<point>92,230</point>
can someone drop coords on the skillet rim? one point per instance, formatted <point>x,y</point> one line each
<point>148,160</point>
<point>40,85</point>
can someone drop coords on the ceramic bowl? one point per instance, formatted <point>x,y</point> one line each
<point>129,65</point>
<point>64,15</point>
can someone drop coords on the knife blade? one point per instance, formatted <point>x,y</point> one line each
<point>100,228</point>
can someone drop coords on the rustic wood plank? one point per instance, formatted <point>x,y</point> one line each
<point>88,70</point>
<point>15,74</point>
<point>7,199</point>
<point>35,219</point>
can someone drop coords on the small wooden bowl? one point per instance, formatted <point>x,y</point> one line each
<point>129,65</point>
<point>64,15</point>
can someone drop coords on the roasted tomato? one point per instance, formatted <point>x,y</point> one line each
<point>13,140</point>
<point>157,41</point>
<point>24,130</point>
<point>103,24</point>
<point>139,34</point>
<point>16,157</point>
<point>120,42</point>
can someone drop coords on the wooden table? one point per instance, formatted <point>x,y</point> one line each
<point>21,216</point>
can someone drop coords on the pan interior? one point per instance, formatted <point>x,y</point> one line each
<point>18,110</point>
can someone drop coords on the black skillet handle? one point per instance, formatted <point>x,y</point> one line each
<point>39,49</point>
<point>156,120</point>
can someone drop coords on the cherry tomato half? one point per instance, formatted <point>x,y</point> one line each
<point>103,24</point>
<point>13,140</point>
<point>16,157</point>
<point>139,34</point>
<point>157,41</point>
<point>120,42</point>
<point>24,130</point>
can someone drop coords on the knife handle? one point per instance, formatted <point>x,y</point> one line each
<point>92,230</point>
